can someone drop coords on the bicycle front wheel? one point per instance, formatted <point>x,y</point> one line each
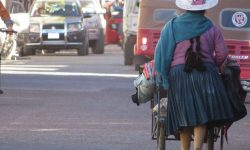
<point>161,136</point>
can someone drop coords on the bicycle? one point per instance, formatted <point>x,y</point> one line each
<point>8,44</point>
<point>7,47</point>
<point>158,129</point>
<point>147,90</point>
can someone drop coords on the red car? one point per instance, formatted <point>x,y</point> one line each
<point>114,21</point>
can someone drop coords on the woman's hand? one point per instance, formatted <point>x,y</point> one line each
<point>10,28</point>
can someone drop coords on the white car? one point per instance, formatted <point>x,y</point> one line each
<point>56,25</point>
<point>95,24</point>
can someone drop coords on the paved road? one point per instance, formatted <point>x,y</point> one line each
<point>67,102</point>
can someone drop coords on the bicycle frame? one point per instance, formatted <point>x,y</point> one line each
<point>8,45</point>
<point>158,130</point>
<point>7,49</point>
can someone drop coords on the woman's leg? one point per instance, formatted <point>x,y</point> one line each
<point>185,137</point>
<point>199,136</point>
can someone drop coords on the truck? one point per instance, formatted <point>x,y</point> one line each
<point>130,17</point>
<point>233,19</point>
<point>152,17</point>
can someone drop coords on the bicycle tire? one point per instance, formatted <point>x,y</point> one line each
<point>154,126</point>
<point>8,48</point>
<point>161,143</point>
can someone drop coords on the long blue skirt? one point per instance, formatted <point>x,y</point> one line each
<point>196,98</point>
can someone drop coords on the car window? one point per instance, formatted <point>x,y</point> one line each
<point>55,8</point>
<point>88,5</point>
<point>235,19</point>
<point>164,15</point>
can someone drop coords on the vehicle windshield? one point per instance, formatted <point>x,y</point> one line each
<point>55,8</point>
<point>164,15</point>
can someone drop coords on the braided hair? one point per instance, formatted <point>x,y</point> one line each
<point>193,58</point>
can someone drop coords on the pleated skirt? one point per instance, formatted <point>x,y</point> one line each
<point>196,98</point>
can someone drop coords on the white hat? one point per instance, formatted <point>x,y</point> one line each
<point>196,4</point>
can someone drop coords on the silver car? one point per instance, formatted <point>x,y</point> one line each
<point>95,24</point>
<point>56,25</point>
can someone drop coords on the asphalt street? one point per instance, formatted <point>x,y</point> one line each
<point>68,102</point>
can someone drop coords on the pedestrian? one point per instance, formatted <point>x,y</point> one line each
<point>5,16</point>
<point>117,5</point>
<point>188,56</point>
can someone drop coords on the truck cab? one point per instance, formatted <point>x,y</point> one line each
<point>152,17</point>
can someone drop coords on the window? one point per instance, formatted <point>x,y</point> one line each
<point>235,19</point>
<point>164,15</point>
<point>50,8</point>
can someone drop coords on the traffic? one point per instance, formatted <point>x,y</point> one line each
<point>188,59</point>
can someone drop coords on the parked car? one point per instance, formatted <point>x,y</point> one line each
<point>114,22</point>
<point>95,24</point>
<point>55,25</point>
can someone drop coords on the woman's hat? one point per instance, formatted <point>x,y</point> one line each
<point>196,5</point>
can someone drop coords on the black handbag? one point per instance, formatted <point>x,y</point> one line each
<point>236,94</point>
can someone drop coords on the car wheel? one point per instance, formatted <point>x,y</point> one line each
<point>98,47</point>
<point>84,49</point>
<point>26,52</point>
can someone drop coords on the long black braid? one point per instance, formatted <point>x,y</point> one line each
<point>193,58</point>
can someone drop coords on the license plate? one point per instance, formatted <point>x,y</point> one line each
<point>53,35</point>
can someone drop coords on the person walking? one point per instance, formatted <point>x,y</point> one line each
<point>5,16</point>
<point>188,57</point>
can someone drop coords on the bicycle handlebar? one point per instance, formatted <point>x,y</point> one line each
<point>7,31</point>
